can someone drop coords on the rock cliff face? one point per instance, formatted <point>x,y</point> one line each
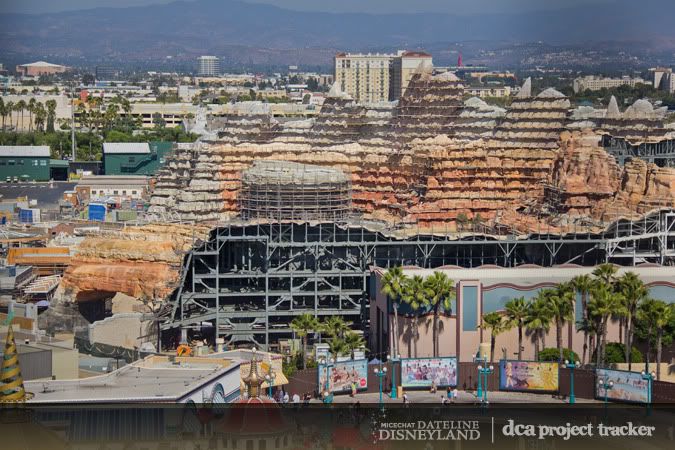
<point>141,262</point>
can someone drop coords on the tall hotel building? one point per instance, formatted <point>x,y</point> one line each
<point>208,66</point>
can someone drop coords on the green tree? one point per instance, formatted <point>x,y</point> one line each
<point>31,109</point>
<point>517,311</point>
<point>51,114</point>
<point>335,327</point>
<point>354,341</point>
<point>9,110</point>
<point>539,319</point>
<point>606,273</point>
<point>442,291</point>
<point>583,284</point>
<point>604,304</point>
<point>303,325</point>
<point>461,220</point>
<point>393,281</point>
<point>494,322</point>
<point>634,292</point>
<point>20,107</point>
<point>3,112</point>
<point>416,294</point>
<point>561,304</point>
<point>656,315</point>
<point>40,117</point>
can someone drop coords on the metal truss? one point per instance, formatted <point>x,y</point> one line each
<point>250,280</point>
<point>659,153</point>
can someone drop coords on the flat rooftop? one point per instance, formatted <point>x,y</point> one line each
<point>153,379</point>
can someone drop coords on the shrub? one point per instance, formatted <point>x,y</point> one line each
<point>553,354</point>
<point>616,353</point>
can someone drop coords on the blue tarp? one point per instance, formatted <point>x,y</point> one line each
<point>25,216</point>
<point>97,212</point>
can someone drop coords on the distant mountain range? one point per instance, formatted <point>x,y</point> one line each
<point>246,31</point>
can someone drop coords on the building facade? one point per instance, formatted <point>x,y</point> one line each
<point>487,289</point>
<point>24,163</point>
<point>208,66</point>
<point>663,79</point>
<point>593,83</point>
<point>403,67</point>
<point>39,68</point>
<point>134,158</point>
<point>132,187</point>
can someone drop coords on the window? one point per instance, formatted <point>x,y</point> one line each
<point>43,162</point>
<point>11,162</point>
<point>249,445</point>
<point>115,192</point>
<point>20,162</point>
<point>133,192</point>
<point>262,444</point>
<point>3,163</point>
<point>35,162</point>
<point>100,192</point>
<point>124,192</point>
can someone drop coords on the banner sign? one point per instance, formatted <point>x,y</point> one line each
<point>528,376</point>
<point>422,372</point>
<point>628,386</point>
<point>342,374</point>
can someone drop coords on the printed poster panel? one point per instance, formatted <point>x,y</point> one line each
<point>342,374</point>
<point>422,372</point>
<point>528,376</point>
<point>628,386</point>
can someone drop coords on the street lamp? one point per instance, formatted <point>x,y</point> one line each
<point>604,384</point>
<point>327,363</point>
<point>649,376</point>
<point>485,371</point>
<point>270,381</point>
<point>480,360</point>
<point>380,373</point>
<point>394,360</point>
<point>572,366</point>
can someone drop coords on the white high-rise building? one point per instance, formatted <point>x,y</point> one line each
<point>209,66</point>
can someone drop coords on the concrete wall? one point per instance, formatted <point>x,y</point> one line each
<point>120,330</point>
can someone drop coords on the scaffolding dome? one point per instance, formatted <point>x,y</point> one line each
<point>286,191</point>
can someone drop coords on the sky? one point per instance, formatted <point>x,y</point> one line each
<point>368,6</point>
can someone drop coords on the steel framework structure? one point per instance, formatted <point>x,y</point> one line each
<point>660,153</point>
<point>250,280</point>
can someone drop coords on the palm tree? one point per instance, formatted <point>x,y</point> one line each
<point>604,303</point>
<point>303,325</point>
<point>9,108</point>
<point>583,284</point>
<point>442,291</point>
<point>561,303</point>
<point>416,294</point>
<point>495,322</point>
<point>3,112</point>
<point>634,292</point>
<point>392,286</point>
<point>335,327</point>
<point>605,273</point>
<point>517,312</point>
<point>337,347</point>
<point>20,107</point>
<point>655,314</point>
<point>354,341</point>
<point>539,319</point>
<point>40,116</point>
<point>51,115</point>
<point>31,110</point>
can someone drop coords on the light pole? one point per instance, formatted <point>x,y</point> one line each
<point>394,388</point>
<point>327,395</point>
<point>604,384</point>
<point>572,366</point>
<point>649,376</point>
<point>480,360</point>
<point>485,371</point>
<point>270,381</point>
<point>380,373</point>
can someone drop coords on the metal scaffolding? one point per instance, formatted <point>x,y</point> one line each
<point>660,153</point>
<point>250,279</point>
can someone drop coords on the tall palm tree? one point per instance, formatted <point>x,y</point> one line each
<point>604,303</point>
<point>31,110</point>
<point>9,109</point>
<point>335,327</point>
<point>3,112</point>
<point>354,341</point>
<point>337,347</point>
<point>494,322</point>
<point>655,314</point>
<point>40,116</point>
<point>416,294</point>
<point>51,115</point>
<point>561,303</point>
<point>392,286</point>
<point>517,311</point>
<point>442,291</point>
<point>539,319</point>
<point>634,292</point>
<point>583,284</point>
<point>303,325</point>
<point>20,107</point>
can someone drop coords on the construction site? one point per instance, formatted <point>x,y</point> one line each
<point>264,218</point>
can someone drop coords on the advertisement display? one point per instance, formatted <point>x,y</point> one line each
<point>628,386</point>
<point>528,376</point>
<point>342,374</point>
<point>422,372</point>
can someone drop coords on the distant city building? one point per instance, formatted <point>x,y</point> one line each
<point>663,79</point>
<point>593,83</point>
<point>487,92</point>
<point>106,73</point>
<point>209,66</point>
<point>39,68</point>
<point>370,78</point>
<point>404,66</point>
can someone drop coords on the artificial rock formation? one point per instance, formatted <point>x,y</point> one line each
<point>141,262</point>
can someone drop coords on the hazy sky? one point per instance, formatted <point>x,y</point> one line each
<point>392,6</point>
